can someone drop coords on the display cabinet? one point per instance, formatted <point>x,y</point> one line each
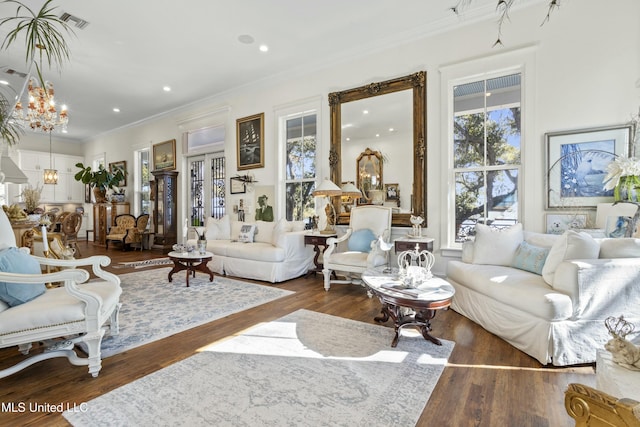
<point>165,213</point>
<point>104,217</point>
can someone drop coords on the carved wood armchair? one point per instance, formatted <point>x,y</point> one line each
<point>118,232</point>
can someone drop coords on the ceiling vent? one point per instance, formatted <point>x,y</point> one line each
<point>15,73</point>
<point>78,22</point>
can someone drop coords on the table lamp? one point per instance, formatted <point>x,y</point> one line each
<point>350,190</point>
<point>328,189</point>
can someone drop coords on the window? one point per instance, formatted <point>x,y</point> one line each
<point>300,165</point>
<point>205,182</point>
<point>143,188</point>
<point>486,153</point>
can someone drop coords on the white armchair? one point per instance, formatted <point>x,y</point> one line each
<point>61,316</point>
<point>348,254</point>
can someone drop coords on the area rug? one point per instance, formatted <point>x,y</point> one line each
<point>143,264</point>
<point>153,308</point>
<point>305,369</point>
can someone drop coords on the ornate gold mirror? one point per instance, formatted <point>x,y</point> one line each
<point>369,177</point>
<point>382,105</point>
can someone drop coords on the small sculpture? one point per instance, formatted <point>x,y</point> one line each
<point>416,221</point>
<point>623,352</point>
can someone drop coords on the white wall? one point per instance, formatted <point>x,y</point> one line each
<point>586,68</point>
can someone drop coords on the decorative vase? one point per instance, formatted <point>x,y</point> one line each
<point>202,246</point>
<point>100,195</point>
<point>628,189</point>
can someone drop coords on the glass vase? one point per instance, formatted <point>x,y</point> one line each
<point>628,189</point>
<point>202,246</point>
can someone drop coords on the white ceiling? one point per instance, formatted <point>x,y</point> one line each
<point>131,49</point>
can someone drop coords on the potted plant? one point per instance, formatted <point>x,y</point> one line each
<point>100,180</point>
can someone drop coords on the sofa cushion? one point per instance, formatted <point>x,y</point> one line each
<point>218,229</point>
<point>571,245</point>
<point>513,287</point>
<point>530,258</point>
<point>496,246</point>
<point>360,240</point>
<point>264,231</point>
<point>247,232</point>
<point>13,260</point>
<point>620,248</point>
<point>281,227</point>
<point>255,251</point>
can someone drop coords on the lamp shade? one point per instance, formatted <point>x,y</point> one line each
<point>327,188</point>
<point>349,189</point>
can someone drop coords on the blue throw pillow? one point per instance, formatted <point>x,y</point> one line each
<point>360,240</point>
<point>530,258</point>
<point>12,260</point>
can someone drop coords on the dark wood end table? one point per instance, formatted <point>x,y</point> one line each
<point>192,262</point>
<point>319,242</point>
<point>434,294</point>
<point>408,243</point>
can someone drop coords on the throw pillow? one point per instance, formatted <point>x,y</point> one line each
<point>13,260</point>
<point>360,240</point>
<point>571,245</point>
<point>279,230</point>
<point>496,246</point>
<point>247,232</point>
<point>530,258</point>
<point>264,231</point>
<point>620,248</point>
<point>218,229</point>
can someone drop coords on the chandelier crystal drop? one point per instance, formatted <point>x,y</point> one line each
<point>41,113</point>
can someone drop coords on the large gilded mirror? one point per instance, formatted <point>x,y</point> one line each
<point>388,118</point>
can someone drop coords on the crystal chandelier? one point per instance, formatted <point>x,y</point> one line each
<point>41,113</point>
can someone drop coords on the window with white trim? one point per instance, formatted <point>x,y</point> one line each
<point>486,152</point>
<point>300,143</point>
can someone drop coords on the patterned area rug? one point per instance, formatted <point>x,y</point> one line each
<point>153,308</point>
<point>144,263</point>
<point>306,369</point>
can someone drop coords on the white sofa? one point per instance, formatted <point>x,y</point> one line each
<point>555,314</point>
<point>275,253</point>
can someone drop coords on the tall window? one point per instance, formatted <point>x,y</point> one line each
<point>207,190</point>
<point>143,187</point>
<point>486,152</point>
<point>300,165</point>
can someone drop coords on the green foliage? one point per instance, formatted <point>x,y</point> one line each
<point>100,178</point>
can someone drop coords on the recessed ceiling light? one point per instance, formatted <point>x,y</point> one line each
<point>166,88</point>
<point>348,139</point>
<point>4,82</point>
<point>365,111</point>
<point>116,110</point>
<point>64,131</point>
<point>377,135</point>
<point>264,48</point>
<point>488,94</point>
<point>245,38</point>
<point>391,129</point>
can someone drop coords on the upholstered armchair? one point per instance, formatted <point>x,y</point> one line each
<point>118,232</point>
<point>58,309</point>
<point>134,235</point>
<point>358,249</point>
<point>594,408</point>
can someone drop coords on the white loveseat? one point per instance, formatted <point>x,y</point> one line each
<point>276,251</point>
<point>555,312</point>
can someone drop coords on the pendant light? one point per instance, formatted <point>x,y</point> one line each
<point>50,175</point>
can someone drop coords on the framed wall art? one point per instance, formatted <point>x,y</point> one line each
<point>391,191</point>
<point>250,142</point>
<point>237,185</point>
<point>164,155</point>
<point>122,165</point>
<point>577,165</point>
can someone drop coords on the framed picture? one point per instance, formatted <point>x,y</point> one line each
<point>122,165</point>
<point>559,223</point>
<point>265,195</point>
<point>237,186</point>
<point>164,155</point>
<point>391,191</point>
<point>577,165</point>
<point>250,142</point>
<point>87,193</point>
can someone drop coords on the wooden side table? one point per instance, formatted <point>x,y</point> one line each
<point>318,241</point>
<point>409,243</point>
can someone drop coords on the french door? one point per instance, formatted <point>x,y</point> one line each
<point>207,191</point>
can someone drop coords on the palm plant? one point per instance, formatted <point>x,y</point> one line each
<point>44,40</point>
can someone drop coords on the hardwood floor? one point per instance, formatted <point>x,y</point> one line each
<point>487,382</point>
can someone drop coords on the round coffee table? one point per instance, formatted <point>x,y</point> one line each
<point>422,302</point>
<point>192,262</point>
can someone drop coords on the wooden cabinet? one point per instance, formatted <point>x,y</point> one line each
<point>104,215</point>
<point>165,213</point>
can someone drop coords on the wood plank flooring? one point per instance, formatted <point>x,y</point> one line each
<point>487,382</point>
